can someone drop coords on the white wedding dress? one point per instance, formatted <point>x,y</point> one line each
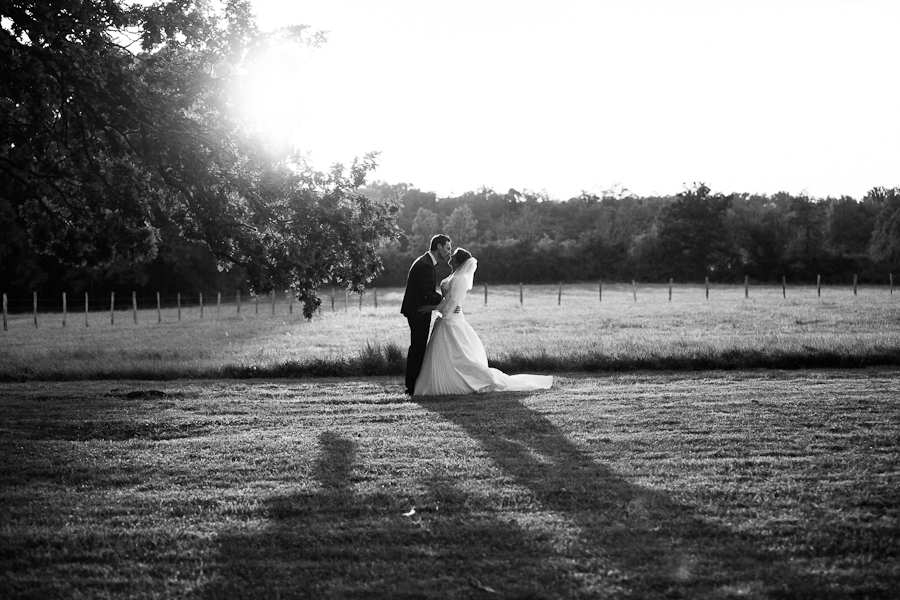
<point>455,360</point>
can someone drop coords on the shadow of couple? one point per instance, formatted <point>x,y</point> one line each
<point>559,525</point>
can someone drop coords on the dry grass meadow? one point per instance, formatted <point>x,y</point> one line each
<point>577,332</point>
<point>130,468</point>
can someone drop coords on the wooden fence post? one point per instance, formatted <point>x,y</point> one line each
<point>64,309</point>
<point>891,278</point>
<point>854,284</point>
<point>5,326</point>
<point>746,286</point>
<point>291,302</point>
<point>35,310</point>
<point>158,309</point>
<point>201,306</point>
<point>218,304</point>
<point>600,291</point>
<point>707,288</point>
<point>819,285</point>
<point>346,299</point>
<point>634,289</point>
<point>559,298</point>
<point>179,305</point>
<point>783,287</point>
<point>332,298</point>
<point>360,300</point>
<point>134,306</point>
<point>485,294</point>
<point>273,302</point>
<point>86,323</point>
<point>237,297</point>
<point>670,289</point>
<point>521,295</point>
<point>256,303</point>
<point>375,296</point>
<point>112,306</point>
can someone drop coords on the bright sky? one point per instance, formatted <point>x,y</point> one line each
<point>568,95</point>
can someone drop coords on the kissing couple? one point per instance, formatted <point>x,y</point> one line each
<point>453,360</point>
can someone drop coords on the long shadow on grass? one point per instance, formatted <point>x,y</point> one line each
<point>559,526</point>
<point>334,542</point>
<point>649,544</point>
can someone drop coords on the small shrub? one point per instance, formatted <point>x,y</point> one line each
<point>370,360</point>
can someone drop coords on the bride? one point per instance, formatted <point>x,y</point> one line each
<point>455,360</point>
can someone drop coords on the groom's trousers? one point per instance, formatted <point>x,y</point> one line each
<point>419,326</point>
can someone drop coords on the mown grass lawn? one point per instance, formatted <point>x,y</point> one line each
<point>760,484</point>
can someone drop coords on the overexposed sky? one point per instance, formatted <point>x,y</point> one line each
<point>562,96</point>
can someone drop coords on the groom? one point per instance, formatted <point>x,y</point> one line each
<point>420,284</point>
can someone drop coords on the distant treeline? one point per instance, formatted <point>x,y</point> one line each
<point>526,237</point>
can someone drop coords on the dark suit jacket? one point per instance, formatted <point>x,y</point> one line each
<point>419,287</point>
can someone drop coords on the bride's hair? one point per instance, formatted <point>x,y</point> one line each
<point>461,255</point>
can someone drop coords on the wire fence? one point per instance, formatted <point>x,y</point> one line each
<point>115,308</point>
<point>71,310</point>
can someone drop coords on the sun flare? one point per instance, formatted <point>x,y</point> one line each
<point>269,99</point>
<point>288,101</point>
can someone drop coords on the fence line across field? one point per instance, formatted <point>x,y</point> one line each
<point>499,291</point>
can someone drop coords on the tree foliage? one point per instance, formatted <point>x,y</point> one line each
<point>461,224</point>
<point>424,226</point>
<point>692,237</point>
<point>688,236</point>
<point>885,241</point>
<point>120,119</point>
<point>122,145</point>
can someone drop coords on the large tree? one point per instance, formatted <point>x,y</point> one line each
<point>692,238</point>
<point>885,242</point>
<point>462,226</point>
<point>807,241</point>
<point>849,225</point>
<point>119,117</point>
<point>424,227</point>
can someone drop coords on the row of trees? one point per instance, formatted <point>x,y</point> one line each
<point>695,234</point>
<point>524,237</point>
<point>126,163</point>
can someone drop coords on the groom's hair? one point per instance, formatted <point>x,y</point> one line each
<point>439,240</point>
<point>461,255</point>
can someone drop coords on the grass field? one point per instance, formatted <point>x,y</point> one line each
<point>764,484</point>
<point>579,332</point>
<point>692,448</point>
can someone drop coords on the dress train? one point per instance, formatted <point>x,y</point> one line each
<point>455,360</point>
<point>456,363</point>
